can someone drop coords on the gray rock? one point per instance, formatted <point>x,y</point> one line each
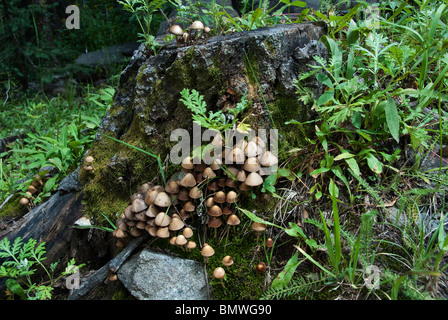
<point>109,55</point>
<point>152,275</point>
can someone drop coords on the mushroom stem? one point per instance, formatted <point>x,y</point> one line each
<point>223,286</point>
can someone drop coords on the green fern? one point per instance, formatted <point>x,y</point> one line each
<point>299,286</point>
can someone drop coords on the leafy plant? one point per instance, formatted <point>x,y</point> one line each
<point>143,11</point>
<point>214,120</point>
<point>22,258</point>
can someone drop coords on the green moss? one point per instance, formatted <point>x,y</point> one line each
<point>270,46</point>
<point>13,209</point>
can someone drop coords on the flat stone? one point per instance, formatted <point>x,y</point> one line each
<point>152,275</point>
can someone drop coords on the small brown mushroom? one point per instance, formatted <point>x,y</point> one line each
<point>227,261</point>
<point>258,228</point>
<point>207,251</point>
<point>188,181</point>
<point>253,179</point>
<point>219,273</point>
<point>177,31</point>
<point>261,267</point>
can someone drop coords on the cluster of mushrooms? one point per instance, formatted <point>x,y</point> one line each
<point>190,36</point>
<point>199,187</point>
<point>151,209</point>
<point>32,191</point>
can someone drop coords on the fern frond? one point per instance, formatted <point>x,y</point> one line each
<point>300,286</point>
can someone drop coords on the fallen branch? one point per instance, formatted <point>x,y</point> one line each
<point>111,267</point>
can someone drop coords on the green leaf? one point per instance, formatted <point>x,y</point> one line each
<point>333,189</point>
<point>344,155</point>
<point>393,119</point>
<point>15,288</point>
<point>374,164</point>
<point>353,165</point>
<point>255,218</point>
<point>287,273</point>
<point>324,79</point>
<point>325,97</point>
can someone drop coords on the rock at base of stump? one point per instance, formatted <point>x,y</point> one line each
<point>152,275</point>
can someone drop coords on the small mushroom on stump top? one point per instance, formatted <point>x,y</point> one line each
<point>177,31</point>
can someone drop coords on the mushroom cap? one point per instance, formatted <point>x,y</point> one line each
<point>24,201</point>
<point>176,224</point>
<point>188,180</point>
<point>152,230</point>
<point>252,149</point>
<point>268,159</point>
<point>32,189</point>
<point>208,173</point>
<point>162,219</point>
<point>135,232</point>
<point>253,179</point>
<point>206,29</point>
<point>257,226</point>
<point>251,164</point>
<point>261,267</point>
<point>181,240</point>
<point>227,261</point>
<point>173,240</point>
<point>244,187</point>
<point>219,197</point>
<point>121,224</point>
<point>259,141</point>
<point>231,197</point>
<point>197,25</point>
<point>214,222</point>
<point>163,232</point>
<point>231,183</point>
<point>209,202</point>
<point>152,211</point>
<point>183,195</point>
<point>219,273</point>
<point>191,245</point>
<point>215,211</point>
<point>162,200</point>
<point>144,188</point>
<point>233,220</point>
<point>176,30</point>
<point>217,140</point>
<point>269,242</point>
<point>213,186</point>
<point>141,225</point>
<point>187,163</point>
<point>189,206</point>
<point>128,213</point>
<point>233,172</point>
<point>195,193</point>
<point>226,210</point>
<point>139,205</point>
<point>241,176</point>
<point>221,182</point>
<point>151,196</point>
<point>89,159</point>
<point>235,156</point>
<point>215,165</point>
<point>119,234</point>
<point>187,232</point>
<point>207,250</point>
<point>172,187</point>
